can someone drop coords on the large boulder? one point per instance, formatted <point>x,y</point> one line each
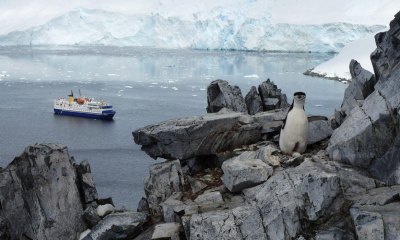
<point>205,135</point>
<point>368,136</point>
<point>222,95</point>
<point>85,182</point>
<point>39,196</point>
<point>244,173</point>
<point>271,96</point>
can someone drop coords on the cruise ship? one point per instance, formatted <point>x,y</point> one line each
<point>83,107</point>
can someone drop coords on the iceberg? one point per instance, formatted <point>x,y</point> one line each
<point>220,29</point>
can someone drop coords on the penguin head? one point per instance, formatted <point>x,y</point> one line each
<point>299,98</point>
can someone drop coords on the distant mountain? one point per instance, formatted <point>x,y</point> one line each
<point>220,29</point>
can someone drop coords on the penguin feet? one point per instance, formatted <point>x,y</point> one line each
<point>296,154</point>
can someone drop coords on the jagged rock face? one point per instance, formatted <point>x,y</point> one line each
<point>39,197</point>
<point>253,101</point>
<point>222,95</point>
<point>367,137</point>
<point>360,87</point>
<point>86,183</point>
<point>271,96</point>
<point>318,130</point>
<point>294,196</point>
<point>165,178</point>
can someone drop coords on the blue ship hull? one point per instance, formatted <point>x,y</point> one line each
<point>107,116</point>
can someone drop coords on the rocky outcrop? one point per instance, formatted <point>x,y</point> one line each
<point>368,136</point>
<point>222,95</point>
<point>39,196</point>
<point>271,96</point>
<point>253,101</point>
<point>205,135</point>
<point>164,179</point>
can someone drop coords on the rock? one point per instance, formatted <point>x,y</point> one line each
<point>361,86</point>
<point>168,209</point>
<point>167,231</point>
<point>318,131</point>
<point>103,210</point>
<point>39,196</point>
<point>143,206</point>
<point>85,182</point>
<point>368,225</point>
<point>222,95</point>
<point>244,173</point>
<point>210,197</point>
<point>4,229</point>
<point>84,234</point>
<point>269,155</point>
<point>293,162</point>
<point>165,178</point>
<point>239,223</point>
<point>253,101</point>
<point>368,136</point>
<point>196,185</point>
<point>293,196</point>
<point>196,136</point>
<point>91,216</point>
<point>272,97</point>
<point>124,225</point>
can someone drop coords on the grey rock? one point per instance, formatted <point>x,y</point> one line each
<point>167,231</point>
<point>239,223</point>
<point>272,97</point>
<point>222,95</point>
<point>85,182</point>
<point>196,136</point>
<point>269,155</point>
<point>318,131</point>
<point>123,225</point>
<point>244,173</point>
<point>143,206</point>
<point>91,217</point>
<point>368,225</point>
<point>168,209</point>
<point>210,197</point>
<point>253,101</point>
<point>360,87</point>
<point>334,233</point>
<point>196,185</point>
<point>305,192</point>
<point>39,196</point>
<point>165,178</point>
<point>368,137</point>
<point>293,162</point>
<point>4,229</point>
<point>352,142</point>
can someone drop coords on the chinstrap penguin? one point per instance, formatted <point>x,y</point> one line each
<point>294,132</point>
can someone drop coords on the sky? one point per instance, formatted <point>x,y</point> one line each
<point>23,14</point>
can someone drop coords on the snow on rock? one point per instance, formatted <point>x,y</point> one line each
<point>338,67</point>
<point>218,29</point>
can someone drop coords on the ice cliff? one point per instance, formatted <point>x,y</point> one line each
<point>219,29</point>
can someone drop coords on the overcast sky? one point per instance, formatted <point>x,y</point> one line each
<point>23,14</point>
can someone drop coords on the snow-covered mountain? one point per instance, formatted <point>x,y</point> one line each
<point>218,29</point>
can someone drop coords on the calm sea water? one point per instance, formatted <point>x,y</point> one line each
<point>145,86</point>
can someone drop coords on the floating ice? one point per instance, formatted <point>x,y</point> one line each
<point>128,87</point>
<point>174,88</point>
<point>113,75</point>
<point>319,105</point>
<point>252,76</point>
<point>154,83</point>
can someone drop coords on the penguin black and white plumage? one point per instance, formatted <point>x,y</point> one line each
<point>294,132</point>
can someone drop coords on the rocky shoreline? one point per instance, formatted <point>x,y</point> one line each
<point>224,176</point>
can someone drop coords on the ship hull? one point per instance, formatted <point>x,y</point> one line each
<point>106,116</point>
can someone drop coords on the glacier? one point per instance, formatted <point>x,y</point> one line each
<point>220,29</point>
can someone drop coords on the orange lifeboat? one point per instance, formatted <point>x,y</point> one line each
<point>80,100</point>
